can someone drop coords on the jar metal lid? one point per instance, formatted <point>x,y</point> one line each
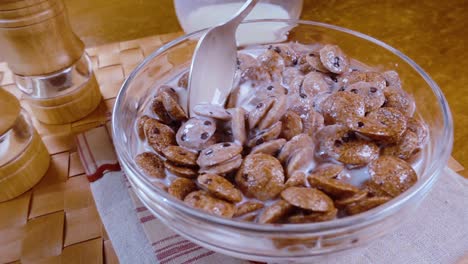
<point>9,110</point>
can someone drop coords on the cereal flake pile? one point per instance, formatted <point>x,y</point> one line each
<point>282,150</point>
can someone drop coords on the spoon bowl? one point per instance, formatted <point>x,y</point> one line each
<point>214,62</point>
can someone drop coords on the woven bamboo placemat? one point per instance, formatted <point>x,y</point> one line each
<point>57,220</point>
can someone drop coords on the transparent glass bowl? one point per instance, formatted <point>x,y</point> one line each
<point>284,242</point>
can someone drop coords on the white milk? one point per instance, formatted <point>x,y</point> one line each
<point>211,15</point>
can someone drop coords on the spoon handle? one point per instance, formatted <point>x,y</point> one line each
<point>242,13</point>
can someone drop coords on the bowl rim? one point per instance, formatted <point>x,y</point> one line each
<point>355,221</point>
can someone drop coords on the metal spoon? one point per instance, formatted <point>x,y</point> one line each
<point>214,62</point>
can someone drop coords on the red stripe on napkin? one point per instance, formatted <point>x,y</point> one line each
<point>198,257</point>
<point>165,239</point>
<point>97,153</point>
<point>180,255</point>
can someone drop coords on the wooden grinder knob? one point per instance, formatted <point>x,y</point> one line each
<point>48,59</point>
<point>36,37</point>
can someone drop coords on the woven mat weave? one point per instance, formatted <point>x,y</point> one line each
<point>57,221</point>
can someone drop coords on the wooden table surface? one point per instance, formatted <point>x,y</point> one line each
<point>434,33</point>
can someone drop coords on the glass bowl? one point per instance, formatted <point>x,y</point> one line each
<point>284,242</point>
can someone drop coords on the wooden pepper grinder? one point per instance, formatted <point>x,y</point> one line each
<point>23,157</point>
<point>48,60</point>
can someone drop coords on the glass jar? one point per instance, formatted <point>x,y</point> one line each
<point>64,96</point>
<point>284,242</point>
<point>23,158</point>
<point>200,14</point>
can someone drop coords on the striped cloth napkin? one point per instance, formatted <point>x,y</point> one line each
<point>437,234</point>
